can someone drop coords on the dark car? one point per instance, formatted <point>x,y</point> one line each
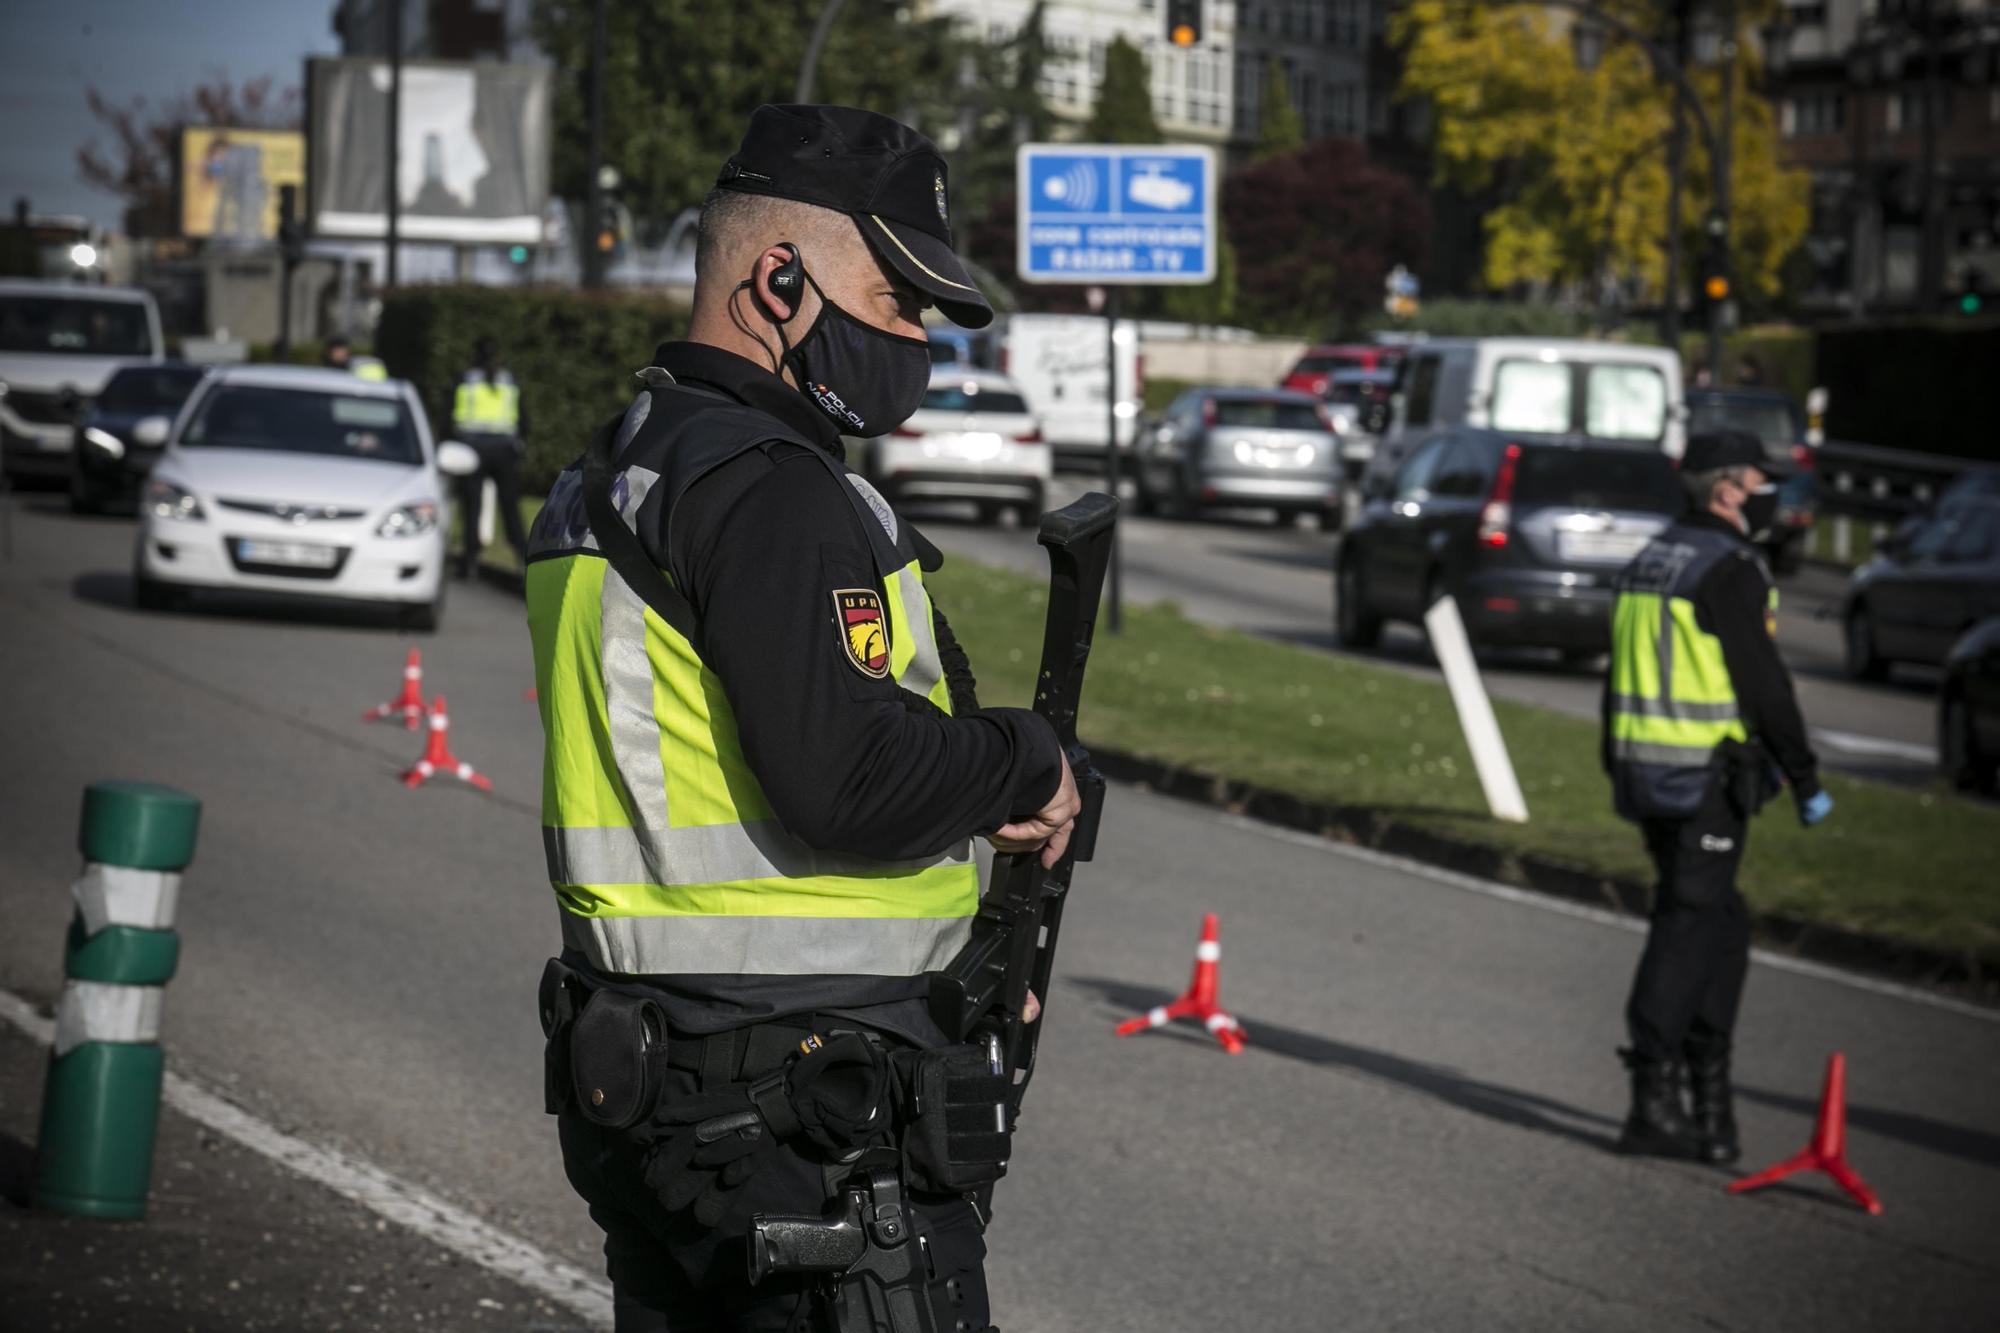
<point>1241,448</point>
<point>120,436</point>
<point>1775,418</point>
<point>1970,486</point>
<point>1969,710</point>
<point>1526,533</point>
<point>1913,604</point>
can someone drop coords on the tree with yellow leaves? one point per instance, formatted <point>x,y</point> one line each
<point>1578,158</point>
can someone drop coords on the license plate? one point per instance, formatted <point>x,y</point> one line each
<point>304,555</point>
<point>1600,545</point>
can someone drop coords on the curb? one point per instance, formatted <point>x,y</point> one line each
<point>1961,974</point>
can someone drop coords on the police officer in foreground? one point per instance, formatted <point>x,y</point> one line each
<point>486,413</point>
<point>1700,728</point>
<point>764,759</point>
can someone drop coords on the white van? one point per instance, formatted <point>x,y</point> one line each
<point>1058,361</point>
<point>59,343</point>
<point>1538,386</point>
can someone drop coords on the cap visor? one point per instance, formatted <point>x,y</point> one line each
<point>931,267</point>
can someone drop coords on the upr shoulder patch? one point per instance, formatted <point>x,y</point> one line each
<point>863,630</point>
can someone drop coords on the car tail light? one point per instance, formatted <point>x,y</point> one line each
<point>1804,457</point>
<point>904,432</point>
<point>1006,357</point>
<point>1034,436</point>
<point>1505,606</point>
<point>1209,416</point>
<point>1499,510</point>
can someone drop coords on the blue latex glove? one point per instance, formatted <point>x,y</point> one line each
<point>1815,808</point>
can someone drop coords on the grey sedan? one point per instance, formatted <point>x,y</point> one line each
<point>1242,448</point>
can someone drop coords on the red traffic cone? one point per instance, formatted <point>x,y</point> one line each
<point>1828,1150</point>
<point>438,757</point>
<point>1199,1001</point>
<point>410,703</point>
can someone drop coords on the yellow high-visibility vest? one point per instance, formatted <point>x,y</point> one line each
<point>487,407</point>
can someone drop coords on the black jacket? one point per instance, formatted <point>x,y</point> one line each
<point>1733,604</point>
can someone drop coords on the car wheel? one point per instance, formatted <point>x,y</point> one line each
<point>149,594</point>
<point>1959,757</point>
<point>989,513</point>
<point>424,617</point>
<point>1863,661</point>
<point>1027,516</point>
<point>1177,502</point>
<point>1352,621</point>
<point>83,497</point>
<point>1328,519</point>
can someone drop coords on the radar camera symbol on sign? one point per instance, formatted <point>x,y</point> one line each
<point>1075,188</point>
<point>1155,189</point>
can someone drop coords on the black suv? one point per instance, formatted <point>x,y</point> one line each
<point>1526,533</point>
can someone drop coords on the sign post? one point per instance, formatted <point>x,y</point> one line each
<point>1112,215</point>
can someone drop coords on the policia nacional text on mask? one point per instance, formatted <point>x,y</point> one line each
<point>761,776</point>
<point>1700,729</point>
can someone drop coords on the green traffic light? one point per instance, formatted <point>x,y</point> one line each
<point>519,254</point>
<point>1968,304</point>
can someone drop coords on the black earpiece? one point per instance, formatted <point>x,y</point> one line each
<point>788,279</point>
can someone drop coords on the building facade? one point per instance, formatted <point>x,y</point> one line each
<point>1851,81</point>
<point>1213,91</point>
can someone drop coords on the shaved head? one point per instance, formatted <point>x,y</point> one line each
<point>736,227</point>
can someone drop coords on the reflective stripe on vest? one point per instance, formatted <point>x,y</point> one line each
<point>662,848</point>
<point>491,407</point>
<point>367,368</point>
<point>1672,701</point>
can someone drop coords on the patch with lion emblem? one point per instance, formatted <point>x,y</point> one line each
<point>863,629</point>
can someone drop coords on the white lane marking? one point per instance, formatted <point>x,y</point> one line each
<point>1875,745</point>
<point>405,1204</point>
<point>1602,916</point>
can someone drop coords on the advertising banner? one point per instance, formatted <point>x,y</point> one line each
<point>229,181</point>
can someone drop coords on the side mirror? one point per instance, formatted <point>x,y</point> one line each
<point>456,459</point>
<point>151,431</point>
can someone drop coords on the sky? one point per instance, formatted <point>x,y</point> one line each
<point>52,50</point>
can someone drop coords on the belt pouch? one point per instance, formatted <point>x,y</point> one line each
<point>958,1134</point>
<point>560,995</point>
<point>618,1058</point>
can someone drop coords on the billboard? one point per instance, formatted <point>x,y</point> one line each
<point>472,148</point>
<point>229,181</point>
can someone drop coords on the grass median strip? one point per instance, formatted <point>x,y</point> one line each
<point>1909,865</point>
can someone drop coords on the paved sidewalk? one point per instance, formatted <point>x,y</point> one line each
<point>232,1242</point>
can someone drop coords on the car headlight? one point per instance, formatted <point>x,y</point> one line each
<point>166,500</point>
<point>412,520</point>
<point>104,440</point>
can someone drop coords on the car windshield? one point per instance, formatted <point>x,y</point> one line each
<point>1267,414</point>
<point>72,326</point>
<point>1769,419</point>
<point>1598,479</point>
<point>304,421</point>
<point>142,390</point>
<point>1620,401</point>
<point>971,397</point>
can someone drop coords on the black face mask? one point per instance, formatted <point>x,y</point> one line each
<point>1760,510</point>
<point>868,381</point>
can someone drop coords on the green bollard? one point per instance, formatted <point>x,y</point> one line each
<point>101,1105</point>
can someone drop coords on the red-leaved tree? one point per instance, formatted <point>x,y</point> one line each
<point>141,165</point>
<point>1316,231</point>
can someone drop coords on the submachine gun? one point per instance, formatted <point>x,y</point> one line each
<point>980,997</point>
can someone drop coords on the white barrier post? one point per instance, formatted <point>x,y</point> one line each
<point>1475,712</point>
<point>489,511</point>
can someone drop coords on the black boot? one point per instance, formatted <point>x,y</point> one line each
<point>1657,1127</point>
<point>1708,1091</point>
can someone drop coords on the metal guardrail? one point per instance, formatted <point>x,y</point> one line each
<point>1873,488</point>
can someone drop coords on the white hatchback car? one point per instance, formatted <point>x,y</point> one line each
<point>972,439</point>
<point>303,483</point>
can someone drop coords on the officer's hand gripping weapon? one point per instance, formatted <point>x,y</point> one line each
<point>982,992</point>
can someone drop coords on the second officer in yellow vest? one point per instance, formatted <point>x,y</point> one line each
<point>486,413</point>
<point>1700,727</point>
<point>764,761</point>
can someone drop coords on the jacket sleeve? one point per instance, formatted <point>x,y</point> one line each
<point>849,762</point>
<point>1737,600</point>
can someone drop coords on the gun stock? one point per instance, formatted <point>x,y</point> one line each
<point>1012,947</point>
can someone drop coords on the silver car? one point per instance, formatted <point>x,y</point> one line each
<point>1242,448</point>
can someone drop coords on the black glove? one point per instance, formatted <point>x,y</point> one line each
<point>705,1148</point>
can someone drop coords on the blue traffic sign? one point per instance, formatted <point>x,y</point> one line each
<point>1105,213</point>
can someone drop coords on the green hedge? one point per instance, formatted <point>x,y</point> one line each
<point>574,354</point>
<point>1786,353</point>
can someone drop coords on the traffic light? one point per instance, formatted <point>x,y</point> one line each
<point>1184,22</point>
<point>291,231</point>
<point>517,254</point>
<point>1716,288</point>
<point>1972,293</point>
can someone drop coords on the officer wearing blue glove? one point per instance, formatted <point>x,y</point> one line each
<point>1701,727</point>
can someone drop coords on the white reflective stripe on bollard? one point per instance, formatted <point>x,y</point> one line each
<point>120,896</point>
<point>1475,712</point>
<point>96,1011</point>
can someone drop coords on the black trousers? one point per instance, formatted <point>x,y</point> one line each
<point>667,1277</point>
<point>500,459</point>
<point>1690,978</point>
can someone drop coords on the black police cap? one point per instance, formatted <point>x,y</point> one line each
<point>1713,450</point>
<point>880,172</point>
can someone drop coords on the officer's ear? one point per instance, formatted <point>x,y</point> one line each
<point>777,281</point>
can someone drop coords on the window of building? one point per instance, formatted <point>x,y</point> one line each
<point>1817,112</point>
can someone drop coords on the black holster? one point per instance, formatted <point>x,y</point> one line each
<point>956,1128</point>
